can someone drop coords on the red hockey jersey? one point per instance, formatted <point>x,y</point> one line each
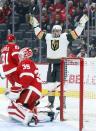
<point>9,56</point>
<point>29,75</point>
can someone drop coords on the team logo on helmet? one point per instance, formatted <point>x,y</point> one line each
<point>54,44</point>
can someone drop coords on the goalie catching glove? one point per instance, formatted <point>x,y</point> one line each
<point>83,20</point>
<point>14,93</point>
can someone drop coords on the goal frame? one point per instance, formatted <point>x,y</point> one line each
<point>62,82</point>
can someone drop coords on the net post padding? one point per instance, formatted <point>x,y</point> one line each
<point>80,94</point>
<point>61,89</point>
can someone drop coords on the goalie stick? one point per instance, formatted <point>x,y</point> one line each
<point>50,91</point>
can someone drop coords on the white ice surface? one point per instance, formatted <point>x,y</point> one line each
<point>8,125</point>
<point>71,114</point>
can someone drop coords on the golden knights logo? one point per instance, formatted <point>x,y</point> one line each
<point>54,44</point>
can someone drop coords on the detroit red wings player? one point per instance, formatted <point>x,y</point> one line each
<point>9,56</point>
<point>29,79</point>
<point>29,92</point>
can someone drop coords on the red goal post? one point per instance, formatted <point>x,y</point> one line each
<point>80,92</point>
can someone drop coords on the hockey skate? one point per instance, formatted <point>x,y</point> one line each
<point>34,120</point>
<point>58,108</point>
<point>51,114</point>
<point>30,118</point>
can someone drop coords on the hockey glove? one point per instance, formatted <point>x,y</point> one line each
<point>34,22</point>
<point>83,20</point>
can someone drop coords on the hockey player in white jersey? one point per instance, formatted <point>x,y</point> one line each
<point>57,43</point>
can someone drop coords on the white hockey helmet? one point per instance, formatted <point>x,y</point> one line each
<point>25,53</point>
<point>56,30</point>
<point>57,27</point>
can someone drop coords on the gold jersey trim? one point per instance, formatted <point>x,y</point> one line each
<point>74,34</point>
<point>40,34</point>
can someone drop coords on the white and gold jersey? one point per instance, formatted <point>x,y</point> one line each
<point>56,47</point>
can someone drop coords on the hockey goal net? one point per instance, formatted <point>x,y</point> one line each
<point>79,87</point>
<point>65,77</point>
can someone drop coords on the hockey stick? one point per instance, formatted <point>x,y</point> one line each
<point>50,92</point>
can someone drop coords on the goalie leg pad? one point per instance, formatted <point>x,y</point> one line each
<point>15,112</point>
<point>20,113</point>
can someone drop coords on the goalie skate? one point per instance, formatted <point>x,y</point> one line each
<point>34,120</point>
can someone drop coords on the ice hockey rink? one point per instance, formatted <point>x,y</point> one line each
<point>71,122</point>
<point>71,113</point>
<point>6,124</point>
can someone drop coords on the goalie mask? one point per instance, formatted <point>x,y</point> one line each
<point>11,38</point>
<point>56,31</point>
<point>25,53</point>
